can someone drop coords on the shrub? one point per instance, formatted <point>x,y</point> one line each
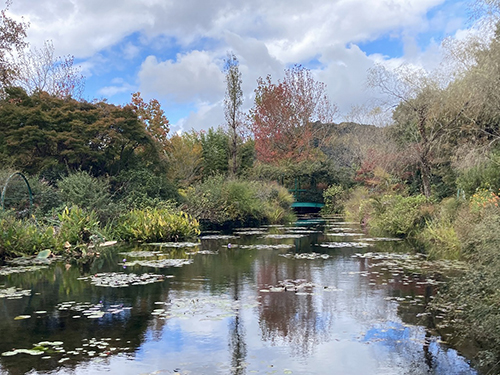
<point>78,226</point>
<point>157,224</point>
<point>484,176</point>
<point>440,235</point>
<point>82,190</point>
<point>24,237</point>
<point>398,215</point>
<point>141,188</point>
<point>334,199</point>
<point>355,205</point>
<point>219,201</point>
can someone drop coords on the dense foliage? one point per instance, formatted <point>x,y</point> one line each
<point>221,201</point>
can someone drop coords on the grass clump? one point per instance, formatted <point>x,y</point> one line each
<point>156,225</point>
<point>24,237</point>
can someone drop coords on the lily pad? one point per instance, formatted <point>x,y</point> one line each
<point>283,236</point>
<point>267,247</point>
<point>336,245</point>
<point>14,293</point>
<point>159,263</point>
<point>174,244</point>
<point>44,254</point>
<point>310,256</point>
<point>120,279</point>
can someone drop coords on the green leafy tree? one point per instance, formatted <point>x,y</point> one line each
<point>47,135</point>
<point>215,151</point>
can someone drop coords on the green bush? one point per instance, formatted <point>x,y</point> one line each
<point>484,176</point>
<point>83,190</point>
<point>440,235</point>
<point>398,215</point>
<point>219,201</point>
<point>24,237</point>
<point>334,199</point>
<point>157,224</point>
<point>78,226</point>
<point>141,188</point>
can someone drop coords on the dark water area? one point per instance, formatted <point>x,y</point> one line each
<point>307,299</point>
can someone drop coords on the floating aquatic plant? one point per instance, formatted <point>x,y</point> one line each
<point>335,245</point>
<point>173,244</point>
<point>14,293</point>
<point>218,237</point>
<point>310,256</point>
<point>203,252</point>
<point>7,270</point>
<point>283,236</point>
<point>141,254</point>
<point>90,310</point>
<point>206,308</point>
<point>120,279</point>
<point>250,232</point>
<point>298,286</point>
<point>267,247</point>
<point>159,263</point>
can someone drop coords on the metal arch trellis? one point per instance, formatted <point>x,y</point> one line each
<point>4,190</point>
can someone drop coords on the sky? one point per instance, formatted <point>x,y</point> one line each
<point>174,50</point>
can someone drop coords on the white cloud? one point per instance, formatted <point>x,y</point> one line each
<point>206,116</point>
<point>192,77</point>
<point>265,35</point>
<point>119,87</point>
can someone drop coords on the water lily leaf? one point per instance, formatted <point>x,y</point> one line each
<point>44,254</point>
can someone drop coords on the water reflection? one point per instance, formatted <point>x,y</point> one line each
<point>236,309</point>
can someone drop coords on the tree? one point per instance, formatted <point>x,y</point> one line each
<point>232,103</point>
<point>427,115</point>
<point>184,153</point>
<point>152,117</point>
<point>39,70</point>
<point>289,117</point>
<point>12,34</point>
<point>215,152</point>
<point>48,135</point>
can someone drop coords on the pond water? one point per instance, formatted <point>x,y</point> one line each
<point>320,298</point>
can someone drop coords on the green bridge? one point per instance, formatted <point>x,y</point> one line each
<point>306,200</point>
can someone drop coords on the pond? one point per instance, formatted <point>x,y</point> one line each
<point>318,297</point>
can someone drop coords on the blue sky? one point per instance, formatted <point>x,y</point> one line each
<point>173,50</point>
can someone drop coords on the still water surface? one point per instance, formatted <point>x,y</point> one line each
<point>274,300</point>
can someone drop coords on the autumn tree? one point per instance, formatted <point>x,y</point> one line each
<point>288,117</point>
<point>232,103</point>
<point>12,34</point>
<point>38,69</point>
<point>152,117</point>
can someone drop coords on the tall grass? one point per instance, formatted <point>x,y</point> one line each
<point>157,224</point>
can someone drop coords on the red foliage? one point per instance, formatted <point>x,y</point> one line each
<point>284,116</point>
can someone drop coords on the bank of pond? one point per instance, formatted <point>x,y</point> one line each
<point>302,298</point>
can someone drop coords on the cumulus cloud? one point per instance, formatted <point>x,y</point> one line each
<point>266,36</point>
<point>194,76</point>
